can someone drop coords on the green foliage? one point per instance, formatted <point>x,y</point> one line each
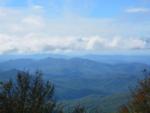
<point>79,109</point>
<point>28,94</point>
<point>140,102</point>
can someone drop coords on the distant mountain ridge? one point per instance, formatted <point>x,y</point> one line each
<point>114,59</point>
<point>110,59</point>
<point>91,72</point>
<point>80,78</point>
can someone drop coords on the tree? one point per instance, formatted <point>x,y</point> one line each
<point>28,94</point>
<point>140,102</point>
<point>79,109</point>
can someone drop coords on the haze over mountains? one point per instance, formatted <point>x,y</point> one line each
<point>83,79</point>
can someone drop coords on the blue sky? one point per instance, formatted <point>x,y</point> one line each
<point>74,26</point>
<point>89,8</point>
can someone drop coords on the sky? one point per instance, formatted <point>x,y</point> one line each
<point>74,26</point>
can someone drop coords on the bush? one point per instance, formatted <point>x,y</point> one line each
<point>140,102</point>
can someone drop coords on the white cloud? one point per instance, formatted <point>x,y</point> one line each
<point>36,44</point>
<point>100,43</point>
<point>28,31</point>
<point>137,10</point>
<point>33,21</point>
<point>37,7</point>
<point>136,43</point>
<point>24,21</point>
<point>14,21</point>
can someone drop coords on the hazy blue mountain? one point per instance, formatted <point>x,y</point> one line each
<point>6,57</point>
<point>6,75</point>
<point>114,59</point>
<point>78,77</point>
<point>82,79</point>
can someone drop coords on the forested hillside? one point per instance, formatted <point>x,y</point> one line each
<point>79,80</point>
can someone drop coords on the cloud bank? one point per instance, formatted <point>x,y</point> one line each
<point>31,31</point>
<point>36,44</point>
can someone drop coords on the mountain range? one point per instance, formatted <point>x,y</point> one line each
<point>90,80</point>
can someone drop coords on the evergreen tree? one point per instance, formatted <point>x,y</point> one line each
<point>28,94</point>
<point>79,109</point>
